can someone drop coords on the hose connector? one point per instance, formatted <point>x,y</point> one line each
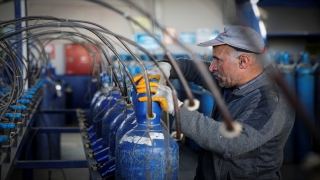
<point>195,106</point>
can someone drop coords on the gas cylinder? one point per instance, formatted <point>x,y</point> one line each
<point>102,106</point>
<point>108,168</point>
<point>316,67</point>
<point>277,58</point>
<point>287,70</point>
<point>108,118</point>
<point>128,124</point>
<point>147,151</point>
<point>305,92</point>
<point>99,145</point>
<point>124,127</point>
<point>101,92</point>
<point>114,126</point>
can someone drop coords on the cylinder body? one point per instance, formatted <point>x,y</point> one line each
<point>147,151</point>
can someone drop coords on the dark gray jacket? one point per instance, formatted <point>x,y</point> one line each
<point>257,153</point>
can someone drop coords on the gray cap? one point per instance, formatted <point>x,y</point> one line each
<point>241,37</point>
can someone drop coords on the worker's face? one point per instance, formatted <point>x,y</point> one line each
<point>224,67</point>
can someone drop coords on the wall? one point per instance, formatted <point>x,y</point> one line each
<point>290,28</point>
<point>291,20</point>
<point>206,14</point>
<point>7,11</point>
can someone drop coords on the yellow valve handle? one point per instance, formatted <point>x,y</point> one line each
<point>162,101</point>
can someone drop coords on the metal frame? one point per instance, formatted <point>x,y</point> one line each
<point>7,169</point>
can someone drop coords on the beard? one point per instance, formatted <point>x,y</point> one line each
<point>222,81</point>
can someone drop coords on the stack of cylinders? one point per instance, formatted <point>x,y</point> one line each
<point>287,70</point>
<point>305,92</point>
<point>102,106</point>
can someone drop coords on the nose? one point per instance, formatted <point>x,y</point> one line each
<point>213,66</point>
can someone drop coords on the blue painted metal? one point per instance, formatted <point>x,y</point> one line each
<point>147,151</point>
<point>290,3</point>
<point>176,56</point>
<point>48,145</point>
<point>102,156</point>
<point>97,145</point>
<point>277,57</point>
<point>52,164</point>
<point>101,108</point>
<point>108,118</point>
<point>95,99</point>
<point>247,17</point>
<point>305,81</point>
<point>90,161</point>
<point>114,126</point>
<point>18,25</point>
<point>127,124</point>
<point>288,73</point>
<point>296,35</point>
<point>92,105</point>
<point>7,168</point>
<point>107,169</point>
<point>90,130</point>
<point>93,137</point>
<point>144,57</point>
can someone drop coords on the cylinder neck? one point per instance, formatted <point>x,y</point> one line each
<point>115,93</point>
<point>286,58</point>
<point>121,102</point>
<point>141,110</point>
<point>305,58</point>
<point>129,109</point>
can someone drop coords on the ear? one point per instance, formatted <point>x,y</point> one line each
<point>244,61</point>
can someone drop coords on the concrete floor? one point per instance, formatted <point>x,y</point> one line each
<point>72,149</point>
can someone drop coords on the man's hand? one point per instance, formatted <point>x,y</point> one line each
<point>155,73</point>
<point>162,94</point>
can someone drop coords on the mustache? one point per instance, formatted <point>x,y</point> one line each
<point>215,74</point>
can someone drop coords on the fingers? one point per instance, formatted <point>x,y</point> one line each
<point>162,101</point>
<point>141,88</point>
<point>143,81</point>
<point>137,77</point>
<point>152,84</point>
<point>145,91</point>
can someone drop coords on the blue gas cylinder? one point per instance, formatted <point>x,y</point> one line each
<point>108,118</point>
<point>101,108</point>
<point>114,126</point>
<point>277,58</point>
<point>287,70</point>
<point>147,151</point>
<point>305,81</point>
<point>95,99</point>
<point>126,125</point>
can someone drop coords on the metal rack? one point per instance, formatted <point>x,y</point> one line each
<point>92,163</point>
<point>15,163</point>
<point>14,148</point>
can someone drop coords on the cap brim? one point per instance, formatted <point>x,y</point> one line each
<point>211,42</point>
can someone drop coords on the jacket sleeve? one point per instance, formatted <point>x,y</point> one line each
<point>205,130</point>
<point>190,72</point>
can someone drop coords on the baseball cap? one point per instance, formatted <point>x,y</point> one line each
<point>239,37</point>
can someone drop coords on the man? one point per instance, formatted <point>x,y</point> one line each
<point>254,101</point>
